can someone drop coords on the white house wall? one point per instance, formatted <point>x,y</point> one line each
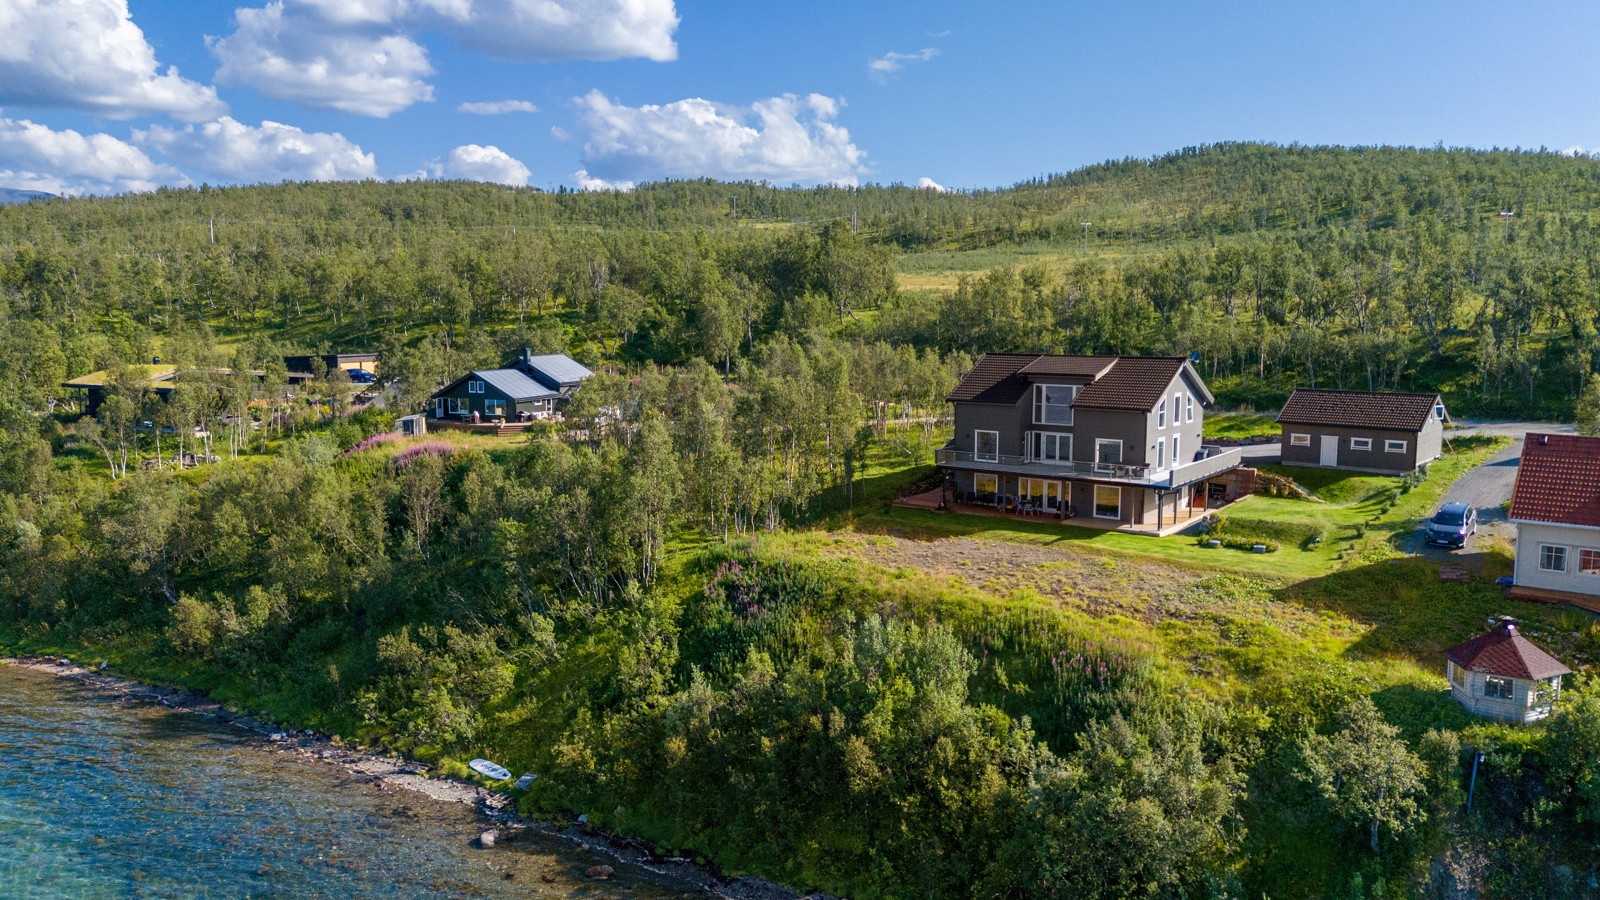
<point>1528,573</point>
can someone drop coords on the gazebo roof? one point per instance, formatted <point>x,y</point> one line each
<point>1506,653</point>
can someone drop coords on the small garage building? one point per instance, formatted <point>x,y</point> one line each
<point>1387,433</point>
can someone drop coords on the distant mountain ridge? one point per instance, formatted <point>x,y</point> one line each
<point>18,195</point>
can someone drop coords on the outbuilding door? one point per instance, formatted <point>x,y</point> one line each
<point>1330,450</point>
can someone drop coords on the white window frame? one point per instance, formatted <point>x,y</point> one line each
<point>1438,411</point>
<point>1551,552</point>
<point>1161,454</point>
<point>1161,413</point>
<point>1299,440</point>
<point>1509,683</point>
<point>1188,407</point>
<point>1046,488</point>
<point>1361,444</point>
<point>1039,440</point>
<point>1593,568</point>
<point>1101,442</point>
<point>474,387</point>
<point>1458,675</point>
<point>1177,398</point>
<point>1042,409</point>
<point>1095,500</point>
<point>1177,459</point>
<point>977,446</point>
<point>977,476</point>
<point>456,405</point>
<point>1396,446</point>
<point>491,412</point>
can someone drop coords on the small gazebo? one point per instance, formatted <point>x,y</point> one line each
<point>1502,675</point>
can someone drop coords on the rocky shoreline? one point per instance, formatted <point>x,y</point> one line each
<point>390,772</point>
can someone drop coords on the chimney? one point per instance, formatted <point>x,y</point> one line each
<point>1508,626</point>
<point>1544,440</point>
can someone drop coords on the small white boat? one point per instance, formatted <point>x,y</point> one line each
<point>523,782</point>
<point>490,770</point>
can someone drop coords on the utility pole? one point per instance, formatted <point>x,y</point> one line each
<point>213,229</point>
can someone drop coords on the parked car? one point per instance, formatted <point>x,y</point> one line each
<point>1452,524</point>
<point>361,376</point>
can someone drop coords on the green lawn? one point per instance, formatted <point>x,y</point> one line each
<point>1239,425</point>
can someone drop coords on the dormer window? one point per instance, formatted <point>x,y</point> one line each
<point>1052,403</point>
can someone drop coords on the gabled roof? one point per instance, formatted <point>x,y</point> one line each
<point>1134,383</point>
<point>1558,480</point>
<point>557,369</point>
<point>1386,410</point>
<point>1505,652</point>
<point>994,378</point>
<point>513,384</point>
<point>1116,382</point>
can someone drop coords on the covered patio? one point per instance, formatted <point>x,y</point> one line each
<point>1184,519</point>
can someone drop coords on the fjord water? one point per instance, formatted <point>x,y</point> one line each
<point>100,798</point>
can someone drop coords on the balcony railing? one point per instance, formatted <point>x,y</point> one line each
<point>1212,461</point>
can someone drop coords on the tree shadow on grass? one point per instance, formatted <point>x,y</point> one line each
<point>1415,709</point>
<point>1410,613</point>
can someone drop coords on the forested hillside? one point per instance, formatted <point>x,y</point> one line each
<point>1466,271</point>
<point>688,605</point>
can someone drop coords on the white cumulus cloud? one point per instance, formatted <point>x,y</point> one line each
<point>234,151</point>
<point>587,182</point>
<point>781,139</point>
<point>879,68</point>
<point>472,162</point>
<point>292,54</point>
<point>361,56</point>
<point>928,184</point>
<point>497,107</point>
<point>36,157</point>
<point>89,55</point>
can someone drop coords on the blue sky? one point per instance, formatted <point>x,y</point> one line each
<point>965,95</point>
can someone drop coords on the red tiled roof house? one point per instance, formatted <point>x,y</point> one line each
<point>1388,433</point>
<point>1503,675</point>
<point>1112,440</point>
<point>1556,507</point>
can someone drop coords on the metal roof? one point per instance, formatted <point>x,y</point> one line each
<point>514,384</point>
<point>558,369</point>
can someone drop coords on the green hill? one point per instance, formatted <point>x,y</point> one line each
<point>1382,267</point>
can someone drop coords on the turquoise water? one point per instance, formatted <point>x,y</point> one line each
<point>100,798</point>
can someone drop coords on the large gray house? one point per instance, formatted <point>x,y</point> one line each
<point>1110,438</point>
<point>1388,433</point>
<point>530,387</point>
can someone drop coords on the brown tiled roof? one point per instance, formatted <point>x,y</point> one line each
<point>1505,652</point>
<point>1119,382</point>
<point>1135,382</point>
<point>1088,366</point>
<point>1558,480</point>
<point>1391,411</point>
<point>994,378</point>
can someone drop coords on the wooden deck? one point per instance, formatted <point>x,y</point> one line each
<point>1588,602</point>
<point>930,500</point>
<point>480,427</point>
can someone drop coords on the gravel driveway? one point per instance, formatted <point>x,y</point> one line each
<point>1488,487</point>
